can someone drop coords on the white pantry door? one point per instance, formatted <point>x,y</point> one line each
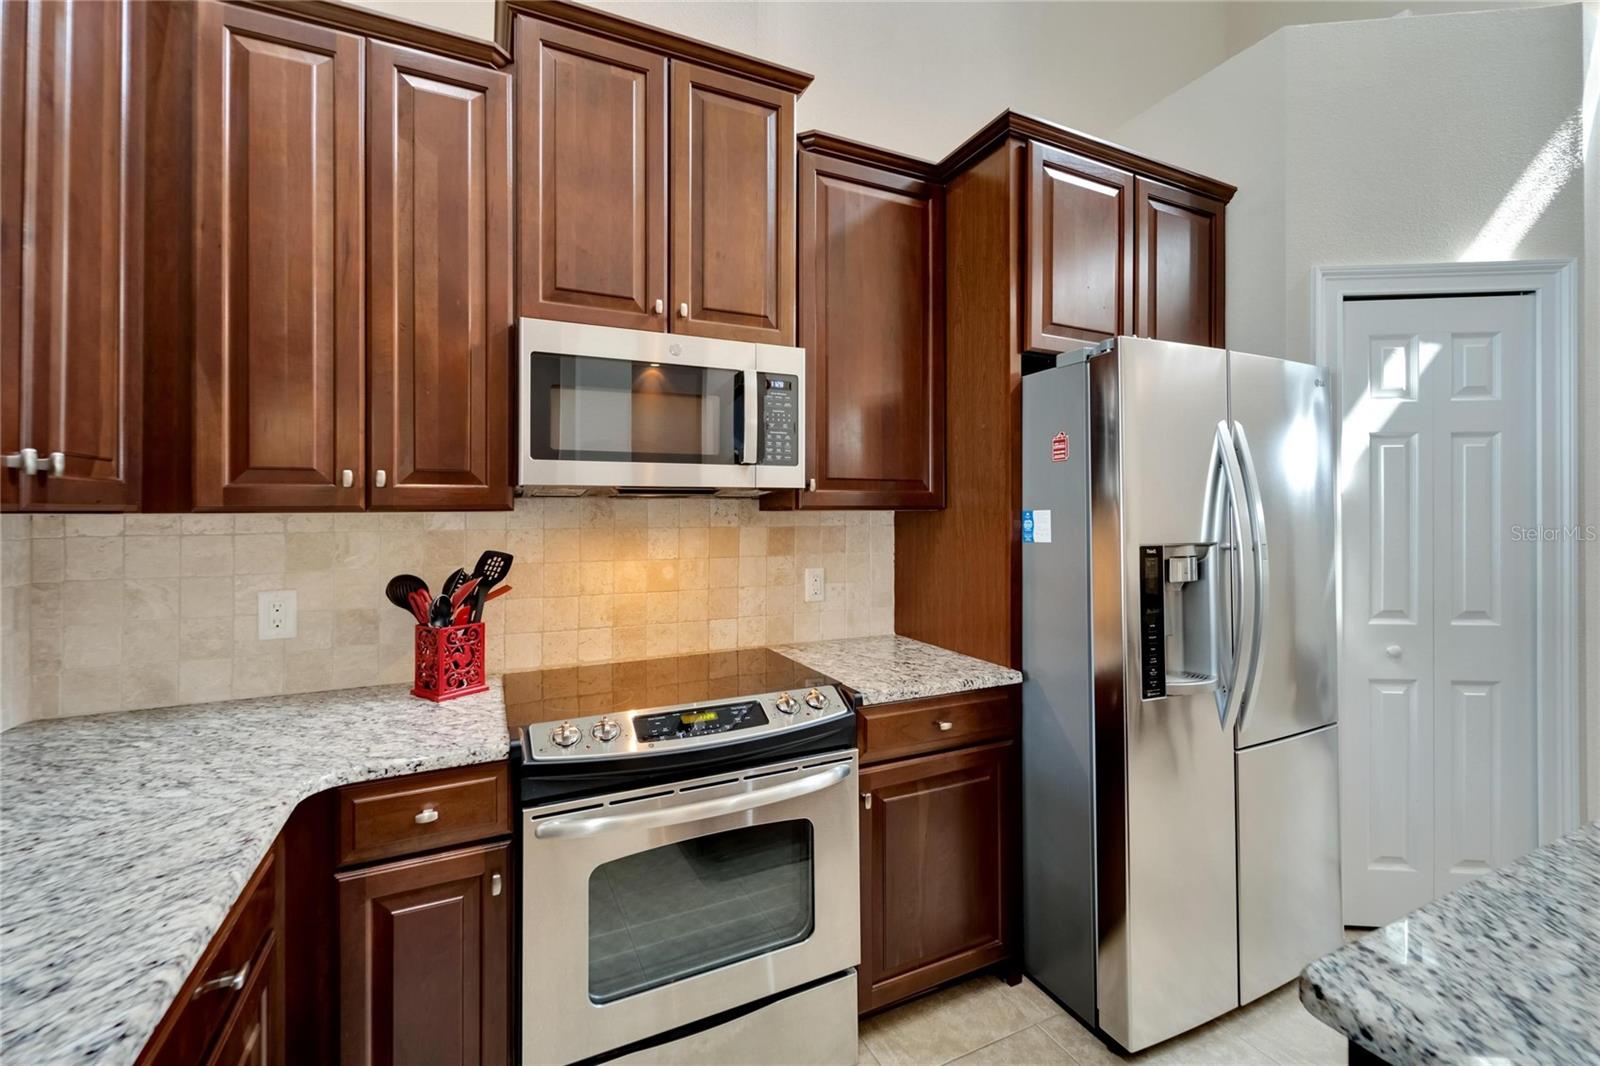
<point>1437,472</point>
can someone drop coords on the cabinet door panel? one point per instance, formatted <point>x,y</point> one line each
<point>279,388</point>
<point>592,184</point>
<point>13,108</point>
<point>440,290</point>
<point>1181,266</point>
<point>872,300</point>
<point>1080,250</point>
<point>77,354</point>
<point>937,843</point>
<point>424,950</point>
<point>732,207</point>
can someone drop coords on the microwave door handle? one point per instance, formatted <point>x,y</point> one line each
<point>750,453</point>
<point>794,788</point>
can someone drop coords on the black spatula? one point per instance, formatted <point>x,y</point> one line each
<point>492,568</point>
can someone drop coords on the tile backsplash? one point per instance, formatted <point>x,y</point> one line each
<point>112,612</point>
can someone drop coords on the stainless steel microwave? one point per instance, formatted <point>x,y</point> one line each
<point>605,408</point>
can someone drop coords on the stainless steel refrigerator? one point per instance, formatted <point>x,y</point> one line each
<point>1180,774</point>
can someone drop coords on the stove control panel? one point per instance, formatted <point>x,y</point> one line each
<point>658,730</point>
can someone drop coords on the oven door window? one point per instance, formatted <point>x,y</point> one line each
<point>682,909</point>
<point>614,410</point>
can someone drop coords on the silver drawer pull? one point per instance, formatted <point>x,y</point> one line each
<point>866,801</point>
<point>27,461</point>
<point>426,815</point>
<point>495,885</point>
<point>945,727</point>
<point>230,981</point>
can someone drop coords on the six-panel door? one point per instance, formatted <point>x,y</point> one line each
<point>732,207</point>
<point>424,960</point>
<point>936,869</point>
<point>591,179</point>
<point>439,294</point>
<point>279,381</point>
<point>1080,250</point>
<point>872,300</point>
<point>1179,265</point>
<point>70,173</point>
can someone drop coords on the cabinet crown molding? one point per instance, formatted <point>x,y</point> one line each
<point>1009,124</point>
<point>831,144</point>
<point>390,28</point>
<point>642,34</point>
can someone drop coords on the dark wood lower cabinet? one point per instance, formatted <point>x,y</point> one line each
<point>938,846</point>
<point>424,959</point>
<point>252,1035</point>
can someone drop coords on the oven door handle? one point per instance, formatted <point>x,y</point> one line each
<point>590,824</point>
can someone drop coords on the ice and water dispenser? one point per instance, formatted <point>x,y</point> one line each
<point>1178,622</point>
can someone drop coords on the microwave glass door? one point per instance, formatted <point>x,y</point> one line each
<point>671,912</point>
<point>593,409</point>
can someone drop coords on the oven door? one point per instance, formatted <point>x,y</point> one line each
<point>653,909</point>
<point>604,407</point>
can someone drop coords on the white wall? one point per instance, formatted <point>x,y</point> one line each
<point>1418,140</point>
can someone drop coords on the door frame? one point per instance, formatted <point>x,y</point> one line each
<point>1553,285</point>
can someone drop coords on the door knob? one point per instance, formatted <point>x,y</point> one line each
<point>1392,651</point>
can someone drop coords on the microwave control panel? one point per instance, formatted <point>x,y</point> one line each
<point>780,419</point>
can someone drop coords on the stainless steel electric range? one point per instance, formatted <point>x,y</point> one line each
<point>689,856</point>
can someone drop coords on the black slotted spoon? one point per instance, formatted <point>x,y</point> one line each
<point>491,569</point>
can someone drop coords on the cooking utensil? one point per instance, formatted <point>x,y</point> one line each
<point>462,594</point>
<point>497,593</point>
<point>453,582</point>
<point>439,613</point>
<point>492,567</point>
<point>400,588</point>
<point>421,604</point>
<point>480,596</point>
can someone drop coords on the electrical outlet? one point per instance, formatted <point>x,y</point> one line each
<point>276,615</point>
<point>814,584</point>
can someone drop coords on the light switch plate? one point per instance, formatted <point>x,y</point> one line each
<point>276,615</point>
<point>814,585</point>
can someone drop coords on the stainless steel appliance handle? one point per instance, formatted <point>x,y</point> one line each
<point>590,824</point>
<point>751,452</point>
<point>1263,575</point>
<point>1248,632</point>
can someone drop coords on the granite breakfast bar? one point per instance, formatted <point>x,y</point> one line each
<point>1505,969</point>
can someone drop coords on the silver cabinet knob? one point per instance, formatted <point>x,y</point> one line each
<point>816,700</point>
<point>56,465</point>
<point>565,735</point>
<point>26,460</point>
<point>811,484</point>
<point>348,478</point>
<point>426,815</point>
<point>786,703</point>
<point>495,884</point>
<point>230,981</point>
<point>683,310</point>
<point>661,305</point>
<point>380,478</point>
<point>605,730</point>
<point>945,727</point>
<point>1392,651</point>
<point>866,801</point>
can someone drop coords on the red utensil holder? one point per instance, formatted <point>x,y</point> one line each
<point>450,662</point>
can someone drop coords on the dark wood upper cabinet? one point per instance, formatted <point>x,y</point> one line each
<point>70,190</point>
<point>732,207</point>
<point>279,368</point>
<point>424,969</point>
<point>871,311</point>
<point>1080,250</point>
<point>439,292</point>
<point>592,182</point>
<point>937,840</point>
<point>1180,265</point>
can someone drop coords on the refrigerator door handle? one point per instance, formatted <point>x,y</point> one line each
<point>1263,576</point>
<point>1249,632</point>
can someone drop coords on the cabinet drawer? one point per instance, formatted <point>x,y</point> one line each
<point>213,992</point>
<point>915,727</point>
<point>382,819</point>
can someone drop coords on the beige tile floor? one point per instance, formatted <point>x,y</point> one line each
<point>982,1022</point>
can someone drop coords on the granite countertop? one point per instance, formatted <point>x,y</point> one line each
<point>125,838</point>
<point>886,669</point>
<point>1507,967</point>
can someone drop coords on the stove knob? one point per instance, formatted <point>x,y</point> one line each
<point>787,703</point>
<point>605,730</point>
<point>816,700</point>
<point>565,735</point>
